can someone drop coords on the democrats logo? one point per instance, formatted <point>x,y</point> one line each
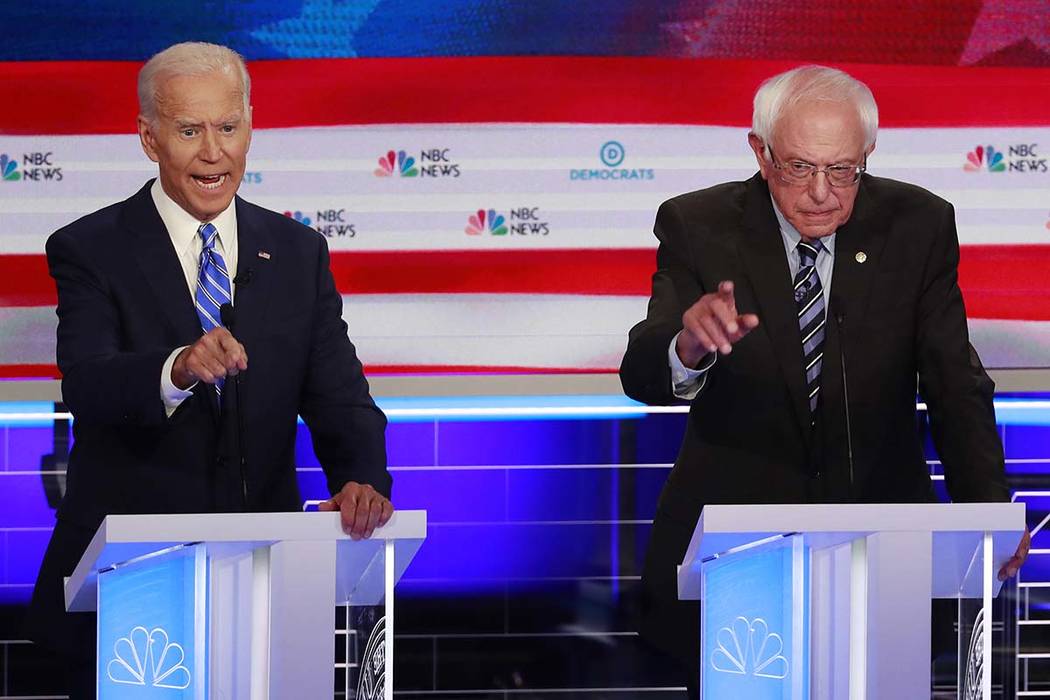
<point>148,658</point>
<point>518,222</point>
<point>429,163</point>
<point>1017,158</point>
<point>38,166</point>
<point>9,168</point>
<point>612,155</point>
<point>330,223</point>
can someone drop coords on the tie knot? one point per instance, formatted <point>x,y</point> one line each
<point>808,251</point>
<point>208,234</point>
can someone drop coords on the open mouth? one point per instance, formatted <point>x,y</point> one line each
<point>210,182</point>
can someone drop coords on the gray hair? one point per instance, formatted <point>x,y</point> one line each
<point>189,58</point>
<point>805,83</point>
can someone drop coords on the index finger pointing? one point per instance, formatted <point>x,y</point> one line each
<point>235,354</point>
<point>227,342</point>
<point>725,293</point>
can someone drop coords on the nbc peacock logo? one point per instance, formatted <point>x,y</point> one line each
<point>397,164</point>
<point>984,158</point>
<point>748,648</point>
<point>9,168</point>
<point>483,221</point>
<point>300,217</point>
<point>149,658</point>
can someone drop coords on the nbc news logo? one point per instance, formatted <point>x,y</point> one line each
<point>331,223</point>
<point>1018,158</point>
<point>523,221</point>
<point>36,167</point>
<point>431,163</point>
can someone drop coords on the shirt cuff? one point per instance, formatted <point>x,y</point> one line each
<point>686,383</point>
<point>171,395</point>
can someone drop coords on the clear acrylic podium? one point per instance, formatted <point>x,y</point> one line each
<point>240,605</point>
<point>833,601</point>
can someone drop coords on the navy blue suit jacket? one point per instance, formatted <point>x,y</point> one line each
<point>123,306</point>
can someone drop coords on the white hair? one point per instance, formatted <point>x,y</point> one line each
<point>186,59</point>
<point>806,83</point>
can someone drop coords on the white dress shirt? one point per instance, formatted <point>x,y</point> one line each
<point>686,382</point>
<point>182,229</point>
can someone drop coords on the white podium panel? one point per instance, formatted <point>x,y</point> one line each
<point>753,627</point>
<point>152,632</point>
<point>833,601</point>
<point>239,605</point>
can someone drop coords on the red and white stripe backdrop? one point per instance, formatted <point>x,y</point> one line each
<point>574,154</point>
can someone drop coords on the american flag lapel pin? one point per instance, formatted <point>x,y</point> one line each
<point>264,255</point>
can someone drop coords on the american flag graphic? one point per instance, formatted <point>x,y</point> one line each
<point>487,180</point>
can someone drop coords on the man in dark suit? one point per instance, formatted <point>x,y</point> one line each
<point>767,294</point>
<point>151,374</point>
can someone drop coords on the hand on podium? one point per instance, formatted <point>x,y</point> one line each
<point>362,507</point>
<point>1011,567</point>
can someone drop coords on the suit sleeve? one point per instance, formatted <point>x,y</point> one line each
<point>100,382</point>
<point>346,426</point>
<point>955,386</point>
<point>645,372</point>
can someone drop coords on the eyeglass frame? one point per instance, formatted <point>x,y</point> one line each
<point>858,170</point>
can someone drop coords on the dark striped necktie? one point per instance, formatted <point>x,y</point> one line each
<point>213,284</point>
<point>809,296</point>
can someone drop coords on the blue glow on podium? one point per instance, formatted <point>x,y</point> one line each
<point>151,628</point>
<point>754,624</point>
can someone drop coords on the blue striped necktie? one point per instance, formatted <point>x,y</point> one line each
<point>213,284</point>
<point>809,296</point>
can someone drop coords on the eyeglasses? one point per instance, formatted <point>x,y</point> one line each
<point>798,172</point>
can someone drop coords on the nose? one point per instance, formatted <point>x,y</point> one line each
<point>210,151</point>
<point>818,186</point>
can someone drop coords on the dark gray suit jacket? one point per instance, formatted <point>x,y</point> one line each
<point>898,320</point>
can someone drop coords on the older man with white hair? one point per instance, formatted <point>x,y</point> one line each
<point>799,312</point>
<point>168,416</point>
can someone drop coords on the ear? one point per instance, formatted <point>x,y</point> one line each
<point>148,139</point>
<point>759,147</point>
<point>870,149</point>
<point>250,114</point>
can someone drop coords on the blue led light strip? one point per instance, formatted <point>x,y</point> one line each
<point>1008,411</point>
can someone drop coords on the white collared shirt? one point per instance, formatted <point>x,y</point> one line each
<point>182,229</point>
<point>686,382</point>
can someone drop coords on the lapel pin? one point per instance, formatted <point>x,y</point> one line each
<point>859,257</point>
<point>266,256</point>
